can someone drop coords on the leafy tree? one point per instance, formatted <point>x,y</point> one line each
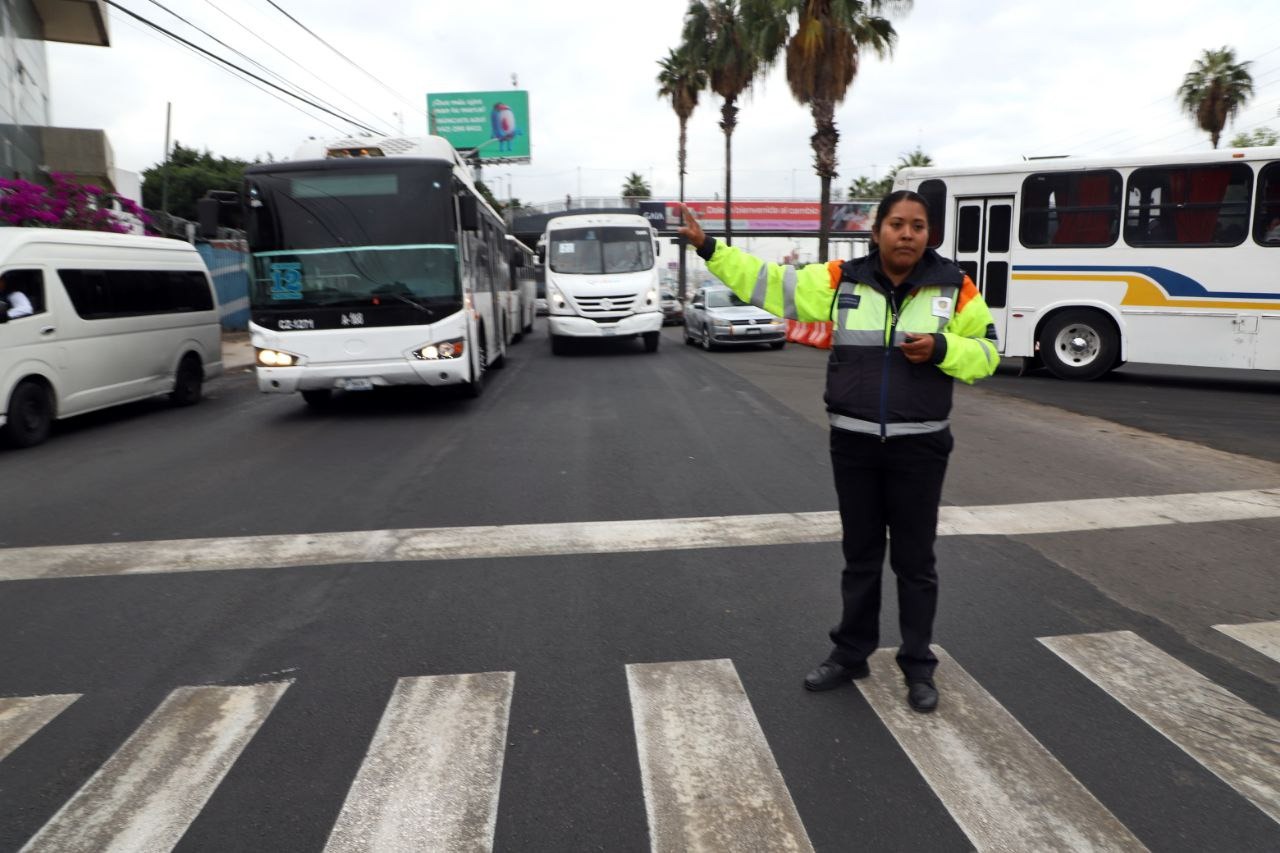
<point>635,186</point>
<point>1260,138</point>
<point>733,41</point>
<point>64,204</point>
<point>191,174</point>
<point>822,59</point>
<point>1215,89</point>
<point>864,187</point>
<point>682,80</point>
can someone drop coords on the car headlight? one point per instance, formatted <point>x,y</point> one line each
<point>441,350</point>
<point>276,358</point>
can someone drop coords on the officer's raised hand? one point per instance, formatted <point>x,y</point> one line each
<point>691,230</point>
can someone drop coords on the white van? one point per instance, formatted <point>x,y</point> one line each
<point>115,318</point>
<point>601,278</point>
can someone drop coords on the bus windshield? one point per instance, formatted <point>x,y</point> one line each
<point>595,251</point>
<point>308,278</point>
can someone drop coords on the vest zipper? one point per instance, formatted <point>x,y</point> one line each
<point>891,305</point>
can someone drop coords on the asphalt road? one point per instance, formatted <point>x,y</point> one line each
<point>611,434</point>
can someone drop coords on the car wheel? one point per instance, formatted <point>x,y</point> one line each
<point>30,415</point>
<point>707,343</point>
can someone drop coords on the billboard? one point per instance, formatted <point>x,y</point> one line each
<point>847,217</point>
<point>493,126</point>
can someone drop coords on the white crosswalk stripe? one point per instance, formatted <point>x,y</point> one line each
<point>1230,737</point>
<point>431,776</point>
<point>145,796</point>
<point>710,780</point>
<point>23,716</point>
<point>1003,788</point>
<point>1260,636</point>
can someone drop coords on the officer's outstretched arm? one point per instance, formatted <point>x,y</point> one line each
<point>803,294</point>
<point>972,351</point>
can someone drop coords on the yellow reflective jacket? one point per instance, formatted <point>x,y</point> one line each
<point>871,386</point>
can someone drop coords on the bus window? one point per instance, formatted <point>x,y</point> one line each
<point>1266,221</point>
<point>1188,205</point>
<point>935,193</point>
<point>1061,209</point>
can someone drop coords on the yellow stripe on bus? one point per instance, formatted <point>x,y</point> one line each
<point>1142,292</point>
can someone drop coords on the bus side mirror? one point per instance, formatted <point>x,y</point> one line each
<point>541,252</point>
<point>468,213</point>
<point>218,208</point>
<point>657,247</point>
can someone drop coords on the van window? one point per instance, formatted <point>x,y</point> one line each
<point>30,283</point>
<point>102,294</point>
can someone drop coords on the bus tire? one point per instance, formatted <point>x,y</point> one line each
<point>475,387</point>
<point>30,414</point>
<point>651,341</point>
<point>317,398</point>
<point>559,346</point>
<point>188,382</point>
<point>1079,343</point>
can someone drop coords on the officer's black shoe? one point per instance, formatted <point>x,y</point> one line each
<point>829,675</point>
<point>922,696</point>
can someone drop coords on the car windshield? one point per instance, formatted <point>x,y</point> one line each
<point>596,251</point>
<point>723,299</point>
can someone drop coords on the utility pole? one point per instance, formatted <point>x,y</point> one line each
<point>164,168</point>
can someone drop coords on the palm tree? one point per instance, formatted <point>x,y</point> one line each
<point>1215,89</point>
<point>822,60</point>
<point>730,39</point>
<point>681,80</point>
<point>635,187</point>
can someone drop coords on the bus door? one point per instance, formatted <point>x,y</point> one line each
<point>984,232</point>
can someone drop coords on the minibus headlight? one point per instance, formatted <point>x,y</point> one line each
<point>276,358</point>
<point>440,351</point>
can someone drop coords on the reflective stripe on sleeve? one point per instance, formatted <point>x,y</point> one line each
<point>789,279</point>
<point>849,424</point>
<point>762,286</point>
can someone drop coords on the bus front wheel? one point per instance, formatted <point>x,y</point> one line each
<point>475,387</point>
<point>1079,344</point>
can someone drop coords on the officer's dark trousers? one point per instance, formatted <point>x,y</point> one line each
<point>894,485</point>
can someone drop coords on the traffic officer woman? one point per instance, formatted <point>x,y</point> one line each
<point>907,322</point>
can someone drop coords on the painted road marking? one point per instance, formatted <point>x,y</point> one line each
<point>1260,636</point>
<point>1000,784</point>
<point>1231,738</point>
<point>23,716</point>
<point>146,795</point>
<point>431,776</point>
<point>606,537</point>
<point>710,781</point>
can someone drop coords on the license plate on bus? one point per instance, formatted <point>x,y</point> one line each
<point>360,384</point>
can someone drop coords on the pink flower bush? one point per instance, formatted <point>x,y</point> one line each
<point>65,204</point>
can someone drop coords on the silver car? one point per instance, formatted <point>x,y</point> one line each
<point>715,316</point>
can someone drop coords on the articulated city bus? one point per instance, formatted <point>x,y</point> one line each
<point>374,263</point>
<point>1087,264</point>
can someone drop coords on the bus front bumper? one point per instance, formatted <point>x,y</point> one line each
<point>363,376</point>
<point>584,327</point>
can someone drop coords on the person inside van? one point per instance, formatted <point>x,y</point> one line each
<point>18,303</point>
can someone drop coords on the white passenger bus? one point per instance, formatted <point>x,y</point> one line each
<point>1087,264</point>
<point>601,278</point>
<point>106,319</point>
<point>522,309</point>
<point>375,263</point>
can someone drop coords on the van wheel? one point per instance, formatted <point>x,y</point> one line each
<point>651,340</point>
<point>1079,344</point>
<point>559,346</point>
<point>318,398</point>
<point>30,415</point>
<point>188,384</point>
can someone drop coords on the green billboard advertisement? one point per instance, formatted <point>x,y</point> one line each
<point>493,126</point>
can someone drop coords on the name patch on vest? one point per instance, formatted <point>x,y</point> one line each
<point>941,307</point>
<point>849,300</point>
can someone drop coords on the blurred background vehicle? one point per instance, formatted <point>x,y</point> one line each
<point>672,308</point>
<point>715,317</point>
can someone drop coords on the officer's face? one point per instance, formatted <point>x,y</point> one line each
<point>903,235</point>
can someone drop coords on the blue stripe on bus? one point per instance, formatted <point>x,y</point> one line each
<point>1173,283</point>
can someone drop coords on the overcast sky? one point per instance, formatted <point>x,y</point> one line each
<point>970,83</point>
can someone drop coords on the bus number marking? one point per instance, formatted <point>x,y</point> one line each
<point>295,325</point>
<point>286,281</point>
<point>353,319</point>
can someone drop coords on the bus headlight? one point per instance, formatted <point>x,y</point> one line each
<point>556,301</point>
<point>440,351</point>
<point>276,358</point>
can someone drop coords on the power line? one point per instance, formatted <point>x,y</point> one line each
<point>206,33</point>
<point>230,64</point>
<point>349,61</point>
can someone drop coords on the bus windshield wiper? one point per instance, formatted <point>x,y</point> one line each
<point>415,303</point>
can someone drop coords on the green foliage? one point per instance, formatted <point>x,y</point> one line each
<point>635,186</point>
<point>864,187</point>
<point>1260,138</point>
<point>1215,89</point>
<point>191,174</point>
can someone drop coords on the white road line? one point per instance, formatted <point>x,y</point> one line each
<point>1233,739</point>
<point>146,795</point>
<point>710,781</point>
<point>431,777</point>
<point>1003,788</point>
<point>1260,636</point>
<point>23,716</point>
<point>605,537</point>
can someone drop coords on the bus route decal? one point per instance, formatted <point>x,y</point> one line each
<point>286,281</point>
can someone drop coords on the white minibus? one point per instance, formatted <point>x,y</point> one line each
<point>114,318</point>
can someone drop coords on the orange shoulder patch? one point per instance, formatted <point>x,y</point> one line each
<point>968,290</point>
<point>833,270</point>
